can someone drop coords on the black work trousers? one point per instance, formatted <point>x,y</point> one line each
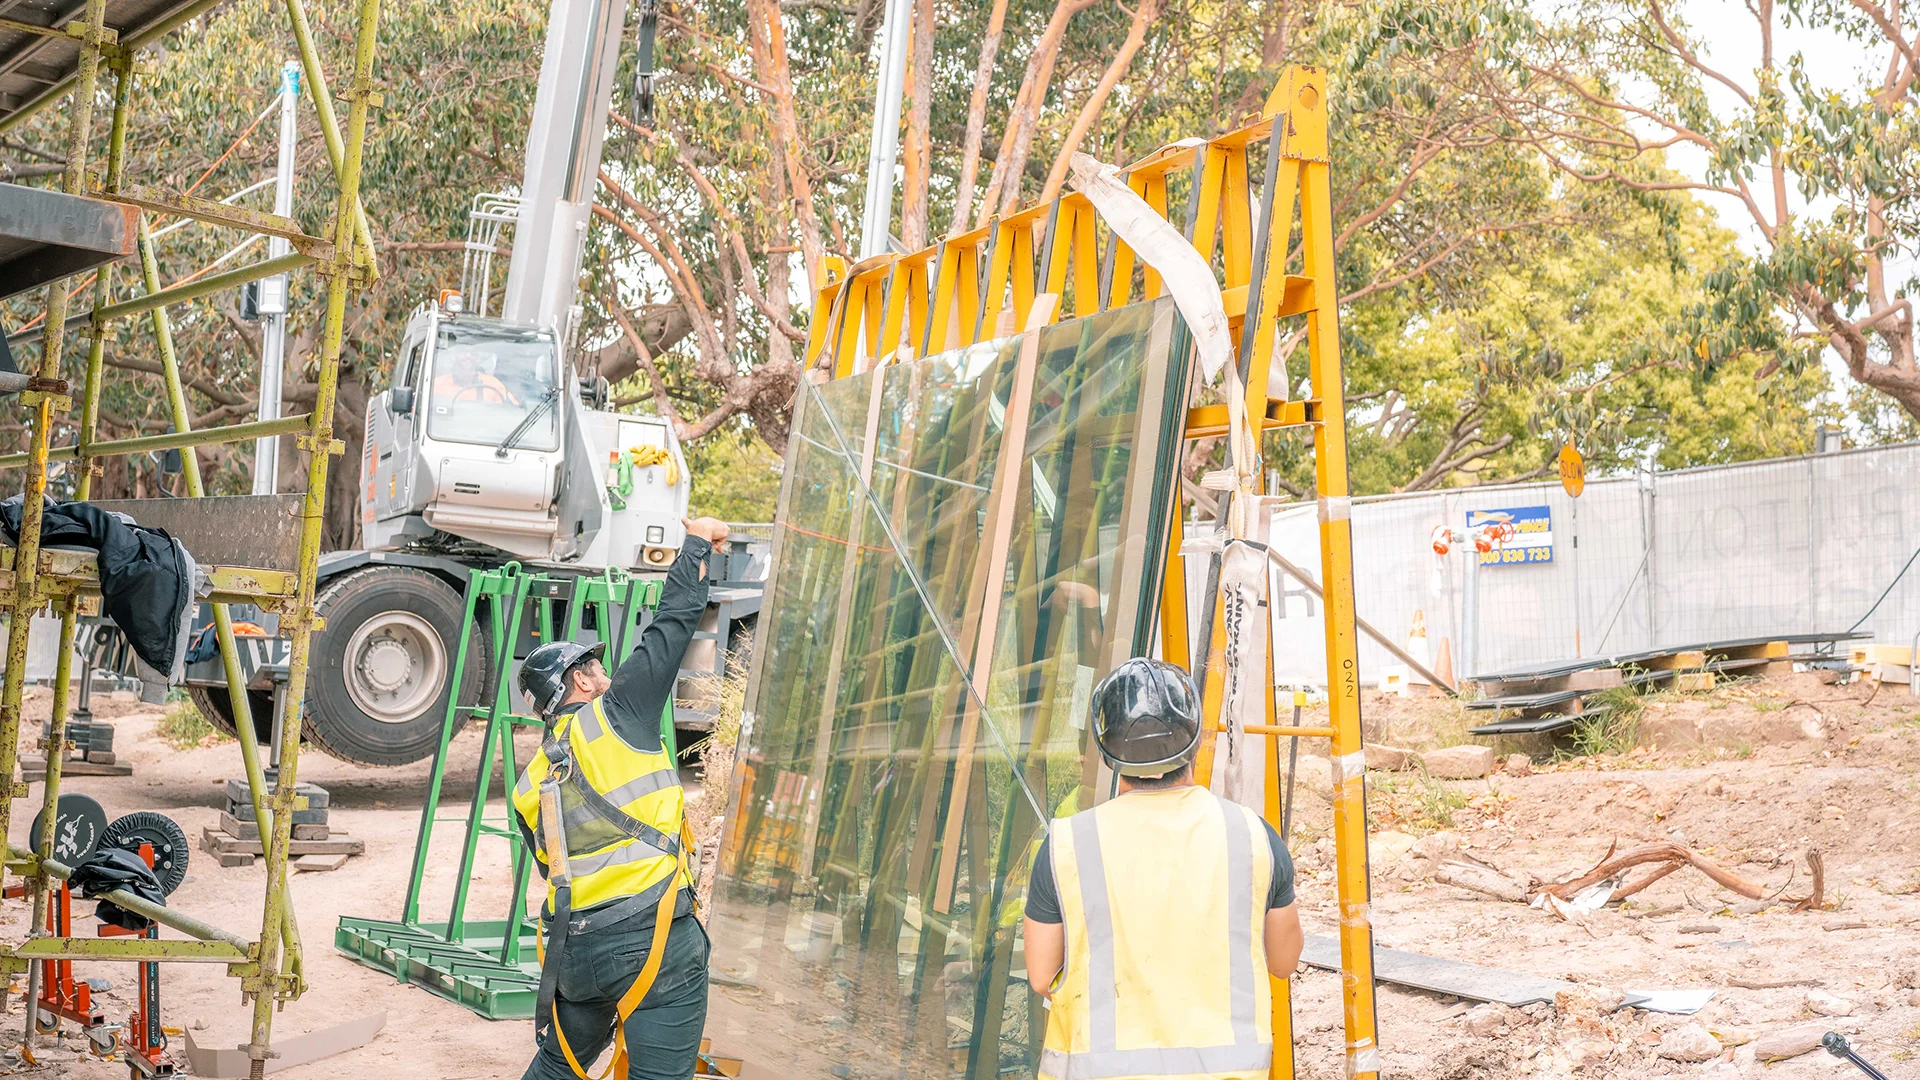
<point>597,969</point>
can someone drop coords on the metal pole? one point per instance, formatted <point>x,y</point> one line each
<point>1470,634</point>
<point>27,557</point>
<point>1578,650</point>
<point>884,147</point>
<point>172,440</point>
<point>273,290</point>
<point>196,488</point>
<point>349,262</point>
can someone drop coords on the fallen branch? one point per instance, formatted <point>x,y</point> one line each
<point>1482,879</point>
<point>1816,900</point>
<point>1664,852</point>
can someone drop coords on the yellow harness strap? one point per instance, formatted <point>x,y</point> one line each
<point>662,920</point>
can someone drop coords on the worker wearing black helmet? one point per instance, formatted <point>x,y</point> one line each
<point>601,807</point>
<point>1150,916</point>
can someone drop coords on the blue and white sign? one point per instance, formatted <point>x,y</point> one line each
<point>1533,535</point>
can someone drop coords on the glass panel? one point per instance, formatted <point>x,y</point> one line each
<point>867,908</point>
<point>489,380</point>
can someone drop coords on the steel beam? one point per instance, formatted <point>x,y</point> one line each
<point>233,217</point>
<point>173,440</point>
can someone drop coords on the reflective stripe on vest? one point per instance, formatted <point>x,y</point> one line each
<point>643,785</point>
<point>1165,972</point>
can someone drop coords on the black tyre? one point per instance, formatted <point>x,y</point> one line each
<point>377,682</point>
<point>169,840</point>
<point>213,704</point>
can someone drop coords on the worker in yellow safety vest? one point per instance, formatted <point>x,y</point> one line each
<point>1150,916</point>
<point>601,807</point>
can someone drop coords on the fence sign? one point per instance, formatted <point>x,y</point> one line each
<point>1533,534</point>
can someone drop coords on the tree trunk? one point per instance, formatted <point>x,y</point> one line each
<point>977,116</point>
<point>1143,15</point>
<point>918,156</point>
<point>1003,188</point>
<point>765,28</point>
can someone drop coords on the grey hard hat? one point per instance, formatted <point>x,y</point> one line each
<point>1146,717</point>
<point>543,674</point>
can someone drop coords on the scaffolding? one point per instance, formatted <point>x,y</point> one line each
<point>65,60</point>
<point>981,283</point>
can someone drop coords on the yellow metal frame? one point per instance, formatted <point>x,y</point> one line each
<point>983,283</point>
<point>270,967</point>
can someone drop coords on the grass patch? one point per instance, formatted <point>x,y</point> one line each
<point>1615,731</point>
<point>1414,802</point>
<point>183,728</point>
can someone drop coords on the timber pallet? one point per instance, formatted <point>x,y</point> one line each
<point>33,768</point>
<point>231,850</point>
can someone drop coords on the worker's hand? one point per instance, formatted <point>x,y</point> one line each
<point>712,530</point>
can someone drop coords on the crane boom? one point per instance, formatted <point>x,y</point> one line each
<point>577,74</point>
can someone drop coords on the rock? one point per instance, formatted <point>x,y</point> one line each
<point>1733,1036</point>
<point>1437,846</point>
<point>1688,1042</point>
<point>1780,1045</point>
<point>1488,1019</point>
<point>1389,845</point>
<point>1586,1052</point>
<point>1519,765</point>
<point>1315,773</point>
<point>1384,758</point>
<point>1714,787</point>
<point>1828,1004</point>
<point>1913,999</point>
<point>1459,762</point>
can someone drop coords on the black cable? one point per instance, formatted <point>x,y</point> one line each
<point>1887,590</point>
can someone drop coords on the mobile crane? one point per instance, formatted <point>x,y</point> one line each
<point>491,445</point>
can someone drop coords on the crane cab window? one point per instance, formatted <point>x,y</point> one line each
<point>488,381</point>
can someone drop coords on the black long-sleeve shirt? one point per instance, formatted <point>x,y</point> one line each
<point>645,680</point>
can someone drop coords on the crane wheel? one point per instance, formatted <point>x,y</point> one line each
<point>378,677</point>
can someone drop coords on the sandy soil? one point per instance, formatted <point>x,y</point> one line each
<point>1746,789</point>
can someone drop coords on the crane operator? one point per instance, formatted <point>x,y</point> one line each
<point>1150,916</point>
<point>601,807</point>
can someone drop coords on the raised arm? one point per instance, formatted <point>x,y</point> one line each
<point>644,682</point>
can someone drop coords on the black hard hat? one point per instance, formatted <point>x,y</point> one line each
<point>543,674</point>
<point>1146,717</point>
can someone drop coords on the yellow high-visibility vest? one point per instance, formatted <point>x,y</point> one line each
<point>606,863</point>
<point>1164,899</point>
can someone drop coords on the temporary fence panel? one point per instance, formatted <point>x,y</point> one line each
<point>1778,547</point>
<point>882,821</point>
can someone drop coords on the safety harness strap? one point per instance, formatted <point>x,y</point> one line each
<point>559,750</point>
<point>656,952</point>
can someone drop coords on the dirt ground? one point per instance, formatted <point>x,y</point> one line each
<point>1752,775</point>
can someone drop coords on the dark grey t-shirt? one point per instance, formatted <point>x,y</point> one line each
<point>1043,895</point>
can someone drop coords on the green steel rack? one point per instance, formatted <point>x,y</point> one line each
<point>491,965</point>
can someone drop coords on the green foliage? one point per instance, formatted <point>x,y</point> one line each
<point>735,476</point>
<point>1616,728</point>
<point>1414,802</point>
<point>183,728</point>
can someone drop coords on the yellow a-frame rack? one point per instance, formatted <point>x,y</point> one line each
<point>935,299</point>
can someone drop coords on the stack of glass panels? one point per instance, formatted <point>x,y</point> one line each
<point>882,824</point>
